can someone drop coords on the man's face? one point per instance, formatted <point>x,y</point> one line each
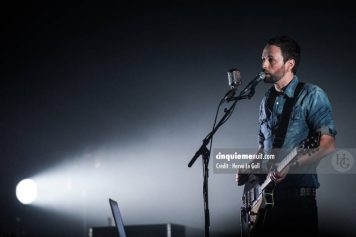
<point>273,64</point>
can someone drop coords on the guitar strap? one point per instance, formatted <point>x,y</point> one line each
<point>287,111</point>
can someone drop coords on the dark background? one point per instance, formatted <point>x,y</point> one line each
<point>141,82</point>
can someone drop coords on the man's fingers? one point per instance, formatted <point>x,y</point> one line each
<point>276,177</point>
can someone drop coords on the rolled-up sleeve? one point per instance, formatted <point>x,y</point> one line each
<point>320,115</point>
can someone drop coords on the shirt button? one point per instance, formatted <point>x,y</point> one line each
<point>277,102</point>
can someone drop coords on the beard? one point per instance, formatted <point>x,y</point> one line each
<point>275,77</point>
<point>271,79</point>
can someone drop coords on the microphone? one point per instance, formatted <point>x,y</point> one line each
<point>234,79</point>
<point>249,90</point>
<point>259,77</point>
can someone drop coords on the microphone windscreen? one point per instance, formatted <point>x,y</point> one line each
<point>234,78</point>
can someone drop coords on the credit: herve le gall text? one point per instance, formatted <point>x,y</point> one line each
<point>233,165</point>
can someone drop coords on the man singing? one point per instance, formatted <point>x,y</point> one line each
<point>290,112</point>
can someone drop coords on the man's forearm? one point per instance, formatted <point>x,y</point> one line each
<point>327,145</point>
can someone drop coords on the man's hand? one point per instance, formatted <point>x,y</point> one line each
<point>279,176</point>
<point>244,173</point>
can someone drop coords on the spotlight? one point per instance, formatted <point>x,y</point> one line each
<point>26,191</point>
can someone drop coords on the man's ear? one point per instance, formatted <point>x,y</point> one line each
<point>290,64</point>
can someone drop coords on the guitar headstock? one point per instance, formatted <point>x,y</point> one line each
<point>310,145</point>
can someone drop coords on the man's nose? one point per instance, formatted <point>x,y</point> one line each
<point>265,64</point>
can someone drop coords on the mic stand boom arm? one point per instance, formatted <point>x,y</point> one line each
<point>207,139</point>
<point>246,93</point>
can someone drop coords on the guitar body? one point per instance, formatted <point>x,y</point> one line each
<point>254,206</point>
<point>258,190</point>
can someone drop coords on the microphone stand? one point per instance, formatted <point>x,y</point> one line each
<point>246,93</point>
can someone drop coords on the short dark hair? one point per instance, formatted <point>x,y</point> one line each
<point>289,47</point>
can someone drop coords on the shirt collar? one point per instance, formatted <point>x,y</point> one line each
<point>289,89</point>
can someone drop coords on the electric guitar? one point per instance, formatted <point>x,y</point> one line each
<point>257,196</point>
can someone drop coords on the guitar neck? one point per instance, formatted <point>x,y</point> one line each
<point>291,155</point>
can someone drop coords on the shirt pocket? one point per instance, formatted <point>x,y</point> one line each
<point>298,113</point>
<point>298,128</point>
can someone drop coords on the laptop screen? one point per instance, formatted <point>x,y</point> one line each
<point>117,217</point>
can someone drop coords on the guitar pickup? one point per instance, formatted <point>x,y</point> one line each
<point>253,213</point>
<point>268,198</point>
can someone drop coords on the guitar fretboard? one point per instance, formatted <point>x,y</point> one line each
<point>293,153</point>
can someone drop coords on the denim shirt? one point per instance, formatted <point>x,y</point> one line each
<point>312,112</point>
